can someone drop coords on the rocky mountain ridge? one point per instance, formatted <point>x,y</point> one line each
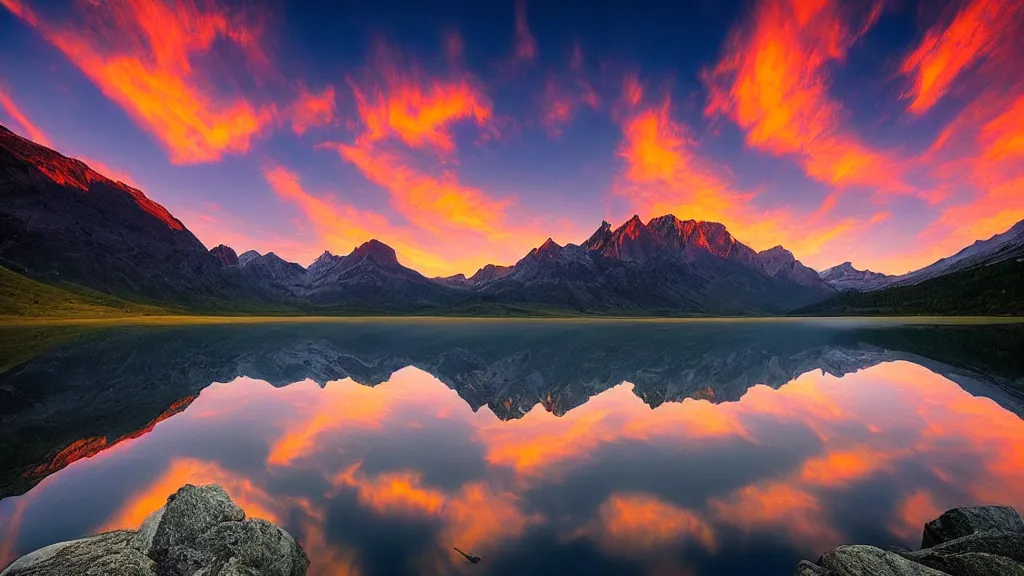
<point>62,222</point>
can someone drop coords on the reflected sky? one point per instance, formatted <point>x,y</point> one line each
<point>386,479</point>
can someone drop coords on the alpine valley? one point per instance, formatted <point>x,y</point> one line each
<point>67,230</point>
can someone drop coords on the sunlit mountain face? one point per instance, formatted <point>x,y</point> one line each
<point>882,133</point>
<point>541,447</point>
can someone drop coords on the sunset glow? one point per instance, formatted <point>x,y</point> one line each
<point>884,133</point>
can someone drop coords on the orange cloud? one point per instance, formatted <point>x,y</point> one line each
<point>341,227</point>
<point>912,514</point>
<point>479,518</point>
<point>146,56</point>
<point>343,404</point>
<point>28,129</point>
<point>526,45</point>
<point>778,506</point>
<point>945,52</point>
<point>638,523</point>
<point>311,109</point>
<point>392,492</point>
<point>664,175</point>
<point>256,502</point>
<point>841,467</point>
<point>773,82</point>
<point>419,111</point>
<point>432,203</point>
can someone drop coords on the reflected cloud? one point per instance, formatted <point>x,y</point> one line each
<point>392,492</point>
<point>424,469</point>
<point>636,523</point>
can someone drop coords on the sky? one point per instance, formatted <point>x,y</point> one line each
<point>889,133</point>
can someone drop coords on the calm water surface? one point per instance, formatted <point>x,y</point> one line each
<point>543,447</point>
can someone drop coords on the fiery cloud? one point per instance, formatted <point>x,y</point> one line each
<point>637,523</point>
<point>148,56</point>
<point>311,109</point>
<point>341,227</point>
<point>254,500</point>
<point>392,492</point>
<point>28,129</point>
<point>946,52</point>
<point>775,506</point>
<point>663,174</point>
<point>344,405</point>
<point>481,517</point>
<point>773,82</point>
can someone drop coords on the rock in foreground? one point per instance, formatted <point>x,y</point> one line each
<point>200,531</point>
<point>979,541</point>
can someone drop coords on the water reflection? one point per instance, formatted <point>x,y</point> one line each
<point>602,448</point>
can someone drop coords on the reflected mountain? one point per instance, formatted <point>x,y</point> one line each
<point>81,397</point>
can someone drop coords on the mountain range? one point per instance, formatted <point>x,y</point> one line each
<point>63,223</point>
<point>85,395</point>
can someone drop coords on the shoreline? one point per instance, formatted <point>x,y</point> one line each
<point>187,319</point>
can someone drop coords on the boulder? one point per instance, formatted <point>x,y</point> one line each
<point>974,564</point>
<point>960,522</point>
<point>1007,544</point>
<point>857,560</point>
<point>979,541</point>
<point>111,553</point>
<point>189,513</point>
<point>806,568</point>
<point>200,532</point>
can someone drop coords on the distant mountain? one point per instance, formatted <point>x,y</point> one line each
<point>485,275</point>
<point>780,263</point>
<point>845,277</point>
<point>247,256</point>
<point>225,254</point>
<point>63,222</point>
<point>323,263</point>
<point>1000,248</point>
<point>665,266</point>
<point>986,279</point>
<point>991,290</point>
<point>371,278</point>
<point>273,267</point>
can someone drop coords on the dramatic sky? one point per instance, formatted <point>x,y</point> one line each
<point>466,132</point>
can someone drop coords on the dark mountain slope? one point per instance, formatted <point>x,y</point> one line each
<point>992,290</point>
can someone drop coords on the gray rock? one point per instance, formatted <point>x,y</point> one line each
<point>807,568</point>
<point>144,538</point>
<point>1008,544</point>
<point>960,522</point>
<point>200,532</point>
<point>974,564</point>
<point>858,560</point>
<point>109,554</point>
<point>249,547</point>
<point>189,513</point>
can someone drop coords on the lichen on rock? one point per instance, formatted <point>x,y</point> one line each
<point>978,541</point>
<point>199,532</point>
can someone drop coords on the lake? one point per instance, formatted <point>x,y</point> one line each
<point>544,447</point>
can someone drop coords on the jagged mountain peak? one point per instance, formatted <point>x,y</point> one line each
<point>600,237</point>
<point>248,256</point>
<point>845,277</point>
<point>225,254</point>
<point>375,249</point>
<point>549,245</point>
